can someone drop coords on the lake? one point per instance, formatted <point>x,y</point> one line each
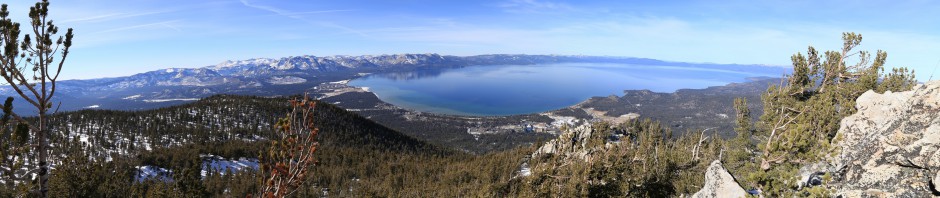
<point>520,89</point>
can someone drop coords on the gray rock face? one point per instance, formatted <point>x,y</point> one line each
<point>719,183</point>
<point>890,147</point>
<point>811,175</point>
<point>573,143</point>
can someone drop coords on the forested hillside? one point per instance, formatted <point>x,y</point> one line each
<point>357,157</point>
<point>838,125</point>
<point>226,126</point>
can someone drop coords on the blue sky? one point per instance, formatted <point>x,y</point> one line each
<point>119,38</point>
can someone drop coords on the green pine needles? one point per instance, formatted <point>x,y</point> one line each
<point>802,115</point>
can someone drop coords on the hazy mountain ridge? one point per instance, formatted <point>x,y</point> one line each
<point>290,75</point>
<point>309,66</point>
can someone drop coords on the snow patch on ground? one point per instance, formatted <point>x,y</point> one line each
<point>145,172</point>
<point>173,99</point>
<point>286,80</point>
<point>525,171</point>
<point>209,162</point>
<point>83,138</point>
<point>220,164</point>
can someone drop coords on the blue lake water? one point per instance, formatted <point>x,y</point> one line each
<point>520,89</point>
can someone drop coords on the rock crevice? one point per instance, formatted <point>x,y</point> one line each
<point>891,146</point>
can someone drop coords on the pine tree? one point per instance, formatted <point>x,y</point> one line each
<point>30,68</point>
<point>285,167</point>
<point>189,178</point>
<point>738,158</point>
<point>801,117</point>
<point>899,79</point>
<point>742,118</point>
<point>14,148</point>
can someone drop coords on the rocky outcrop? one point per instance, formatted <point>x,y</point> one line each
<point>573,143</point>
<point>719,183</point>
<point>891,146</point>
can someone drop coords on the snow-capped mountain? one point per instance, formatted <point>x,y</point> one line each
<point>259,76</point>
<point>282,76</point>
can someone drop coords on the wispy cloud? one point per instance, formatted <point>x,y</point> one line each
<point>299,16</point>
<point>313,12</point>
<point>113,16</point>
<point>164,24</point>
<point>727,32</point>
<point>262,7</point>
<point>92,18</point>
<point>534,6</point>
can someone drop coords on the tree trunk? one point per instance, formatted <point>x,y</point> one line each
<point>43,154</point>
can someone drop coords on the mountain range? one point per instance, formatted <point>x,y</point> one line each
<point>288,76</point>
<point>155,151</point>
